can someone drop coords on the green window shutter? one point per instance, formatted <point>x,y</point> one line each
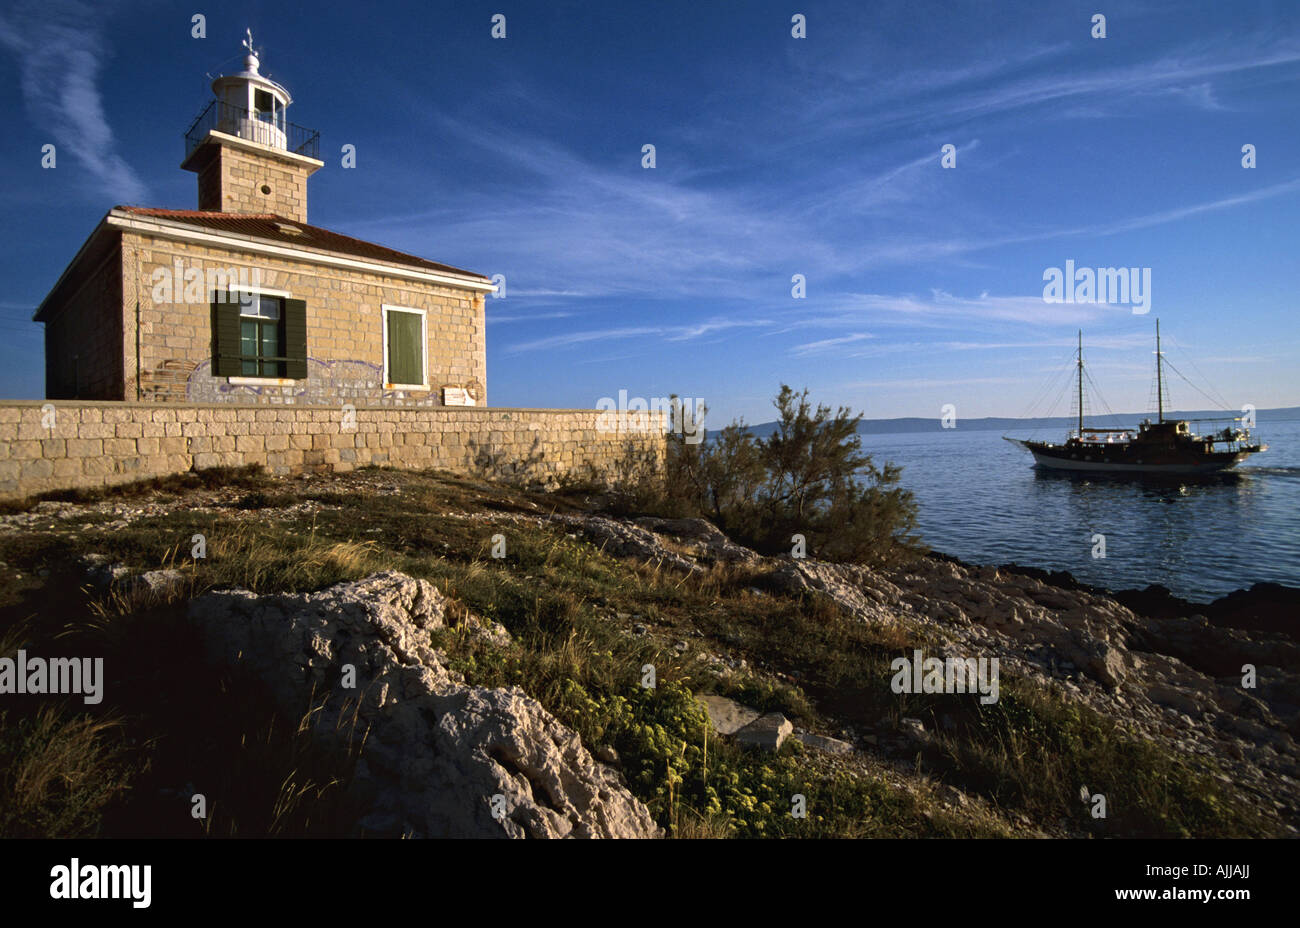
<point>295,339</point>
<point>405,348</point>
<point>226,349</point>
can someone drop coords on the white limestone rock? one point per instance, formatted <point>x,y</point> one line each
<point>440,757</point>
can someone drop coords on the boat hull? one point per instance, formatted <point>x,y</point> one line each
<point>1113,461</point>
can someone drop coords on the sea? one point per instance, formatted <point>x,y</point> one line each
<point>981,499</point>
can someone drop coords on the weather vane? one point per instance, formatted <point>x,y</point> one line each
<point>248,41</point>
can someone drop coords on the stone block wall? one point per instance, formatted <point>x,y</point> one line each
<point>47,446</point>
<point>232,181</point>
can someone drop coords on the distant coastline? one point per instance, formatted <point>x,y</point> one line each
<point>909,424</point>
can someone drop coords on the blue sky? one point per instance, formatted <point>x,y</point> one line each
<point>775,156</point>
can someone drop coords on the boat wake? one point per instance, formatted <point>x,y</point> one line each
<point>1293,472</point>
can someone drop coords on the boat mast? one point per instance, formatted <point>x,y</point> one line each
<point>1081,385</point>
<point>1160,387</point>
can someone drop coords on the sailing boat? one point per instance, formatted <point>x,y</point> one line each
<point>1166,446</point>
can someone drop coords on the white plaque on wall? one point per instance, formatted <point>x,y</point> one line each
<point>457,396</point>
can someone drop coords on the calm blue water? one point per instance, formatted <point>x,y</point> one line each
<point>982,500</point>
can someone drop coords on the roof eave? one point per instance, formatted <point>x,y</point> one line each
<point>180,230</point>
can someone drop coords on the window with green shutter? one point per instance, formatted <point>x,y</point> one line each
<point>404,354</point>
<point>263,337</point>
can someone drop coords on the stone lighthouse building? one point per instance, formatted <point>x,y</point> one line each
<point>243,301</point>
<point>238,334</point>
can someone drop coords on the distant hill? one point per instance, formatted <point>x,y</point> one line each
<point>1003,424</point>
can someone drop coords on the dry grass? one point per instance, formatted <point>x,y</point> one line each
<point>262,562</point>
<point>690,825</point>
<point>61,770</point>
<point>246,557</point>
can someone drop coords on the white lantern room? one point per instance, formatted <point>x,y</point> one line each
<point>251,106</point>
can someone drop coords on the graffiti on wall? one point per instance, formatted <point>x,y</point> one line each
<point>328,383</point>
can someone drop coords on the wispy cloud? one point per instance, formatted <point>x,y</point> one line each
<point>1200,95</point>
<point>609,229</point>
<point>1174,215</point>
<point>1186,74</point>
<point>918,383</point>
<point>921,250</point>
<point>60,52</point>
<point>664,333</point>
<point>527,317</point>
<point>825,343</point>
<point>941,313</point>
<point>851,309</point>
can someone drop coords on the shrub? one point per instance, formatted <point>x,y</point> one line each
<point>809,477</point>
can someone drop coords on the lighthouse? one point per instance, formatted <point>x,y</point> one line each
<point>248,157</point>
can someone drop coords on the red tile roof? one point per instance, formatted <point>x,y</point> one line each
<point>269,226</point>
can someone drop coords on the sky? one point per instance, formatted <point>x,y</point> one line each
<point>774,156</point>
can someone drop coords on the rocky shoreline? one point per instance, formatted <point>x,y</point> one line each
<point>1173,677</point>
<point>1261,607</point>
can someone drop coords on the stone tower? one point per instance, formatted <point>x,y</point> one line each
<point>248,157</point>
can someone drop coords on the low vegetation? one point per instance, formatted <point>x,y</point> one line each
<point>583,622</point>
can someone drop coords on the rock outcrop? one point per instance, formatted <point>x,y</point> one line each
<point>687,545</point>
<point>626,539</point>
<point>440,758</point>
<point>702,539</point>
<point>1175,681</point>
